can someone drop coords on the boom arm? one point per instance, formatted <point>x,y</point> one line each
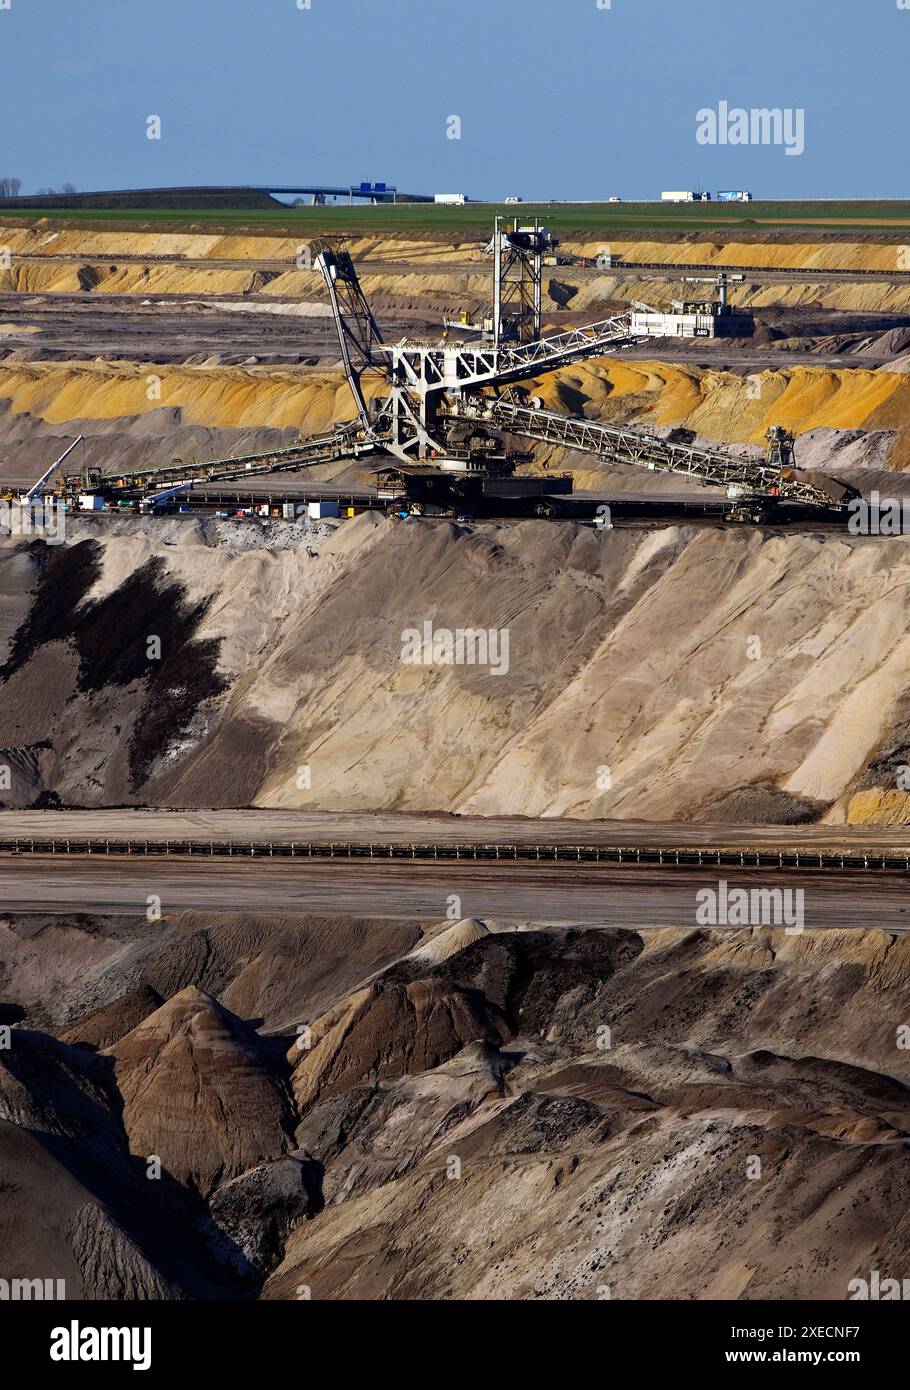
<point>357,329</point>
<point>37,489</point>
<point>325,448</point>
<point>559,349</point>
<point>710,467</point>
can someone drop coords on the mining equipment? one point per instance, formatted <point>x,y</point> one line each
<point>721,282</point>
<point>704,318</point>
<point>51,483</point>
<point>438,422</point>
<point>463,324</point>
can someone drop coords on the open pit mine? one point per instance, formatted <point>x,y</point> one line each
<point>454,763</point>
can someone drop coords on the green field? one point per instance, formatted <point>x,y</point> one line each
<point>891,217</point>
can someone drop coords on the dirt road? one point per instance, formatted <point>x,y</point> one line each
<point>561,893</point>
<point>640,895</point>
<point>424,828</point>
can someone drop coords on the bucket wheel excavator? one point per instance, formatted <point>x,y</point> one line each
<point>437,422</point>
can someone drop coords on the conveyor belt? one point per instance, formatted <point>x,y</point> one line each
<point>711,467</point>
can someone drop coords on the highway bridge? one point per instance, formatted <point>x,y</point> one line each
<point>362,192</point>
<point>220,195</point>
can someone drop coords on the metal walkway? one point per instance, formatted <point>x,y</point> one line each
<point>559,349</point>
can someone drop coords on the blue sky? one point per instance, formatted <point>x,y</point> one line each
<point>557,98</point>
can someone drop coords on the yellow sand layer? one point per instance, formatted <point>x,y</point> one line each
<point>724,406</point>
<point>870,297</point>
<point>719,405</point>
<point>879,807</point>
<point>806,255</point>
<point>819,255</point>
<point>218,397</point>
<point>34,270</point>
<point>40,241</point>
<point>468,289</point>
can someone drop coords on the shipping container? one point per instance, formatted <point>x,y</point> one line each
<point>317,510</point>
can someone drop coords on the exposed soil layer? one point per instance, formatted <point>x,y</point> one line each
<point>140,637</point>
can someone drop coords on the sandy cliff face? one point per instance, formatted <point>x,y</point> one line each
<point>674,672</point>
<point>140,263</point>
